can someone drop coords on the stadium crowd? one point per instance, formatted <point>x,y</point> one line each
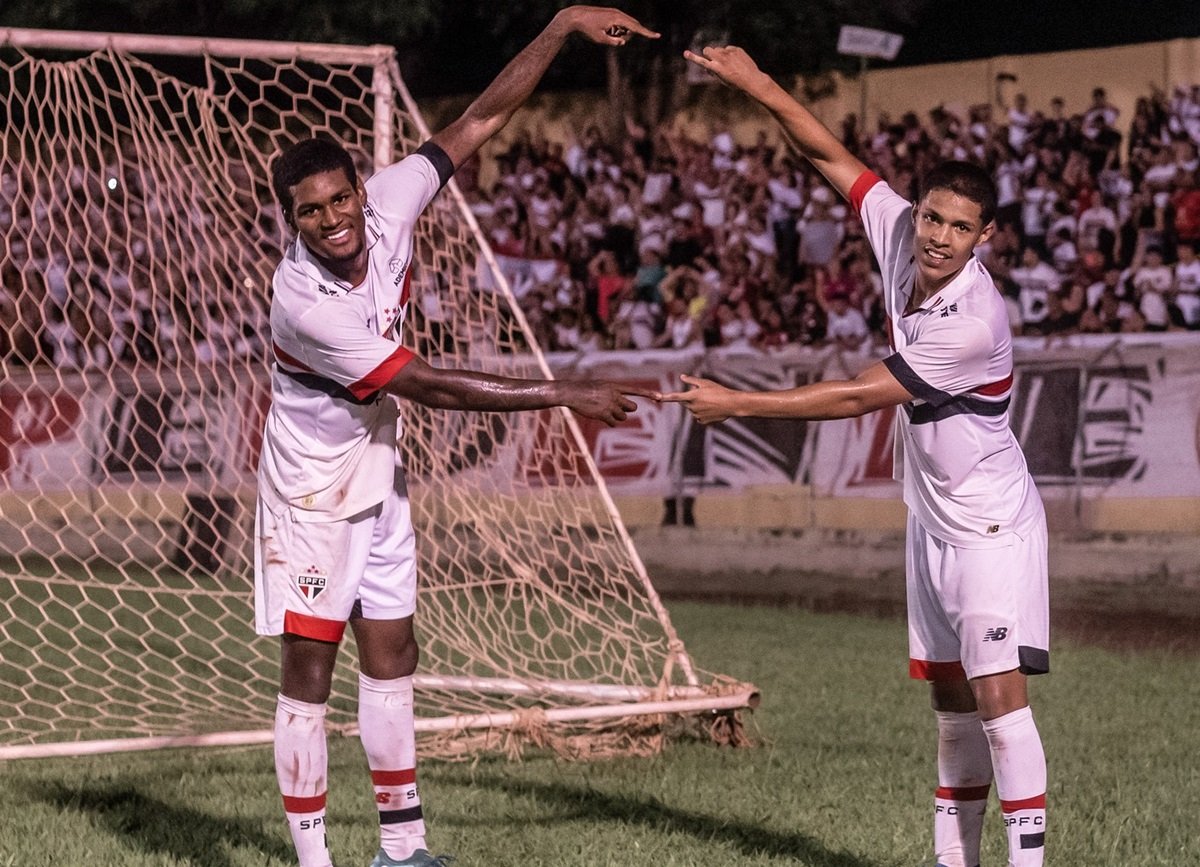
<point>656,239</point>
<point>660,240</point>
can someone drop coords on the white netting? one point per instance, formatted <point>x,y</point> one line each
<point>139,236</point>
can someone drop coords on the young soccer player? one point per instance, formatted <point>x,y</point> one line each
<point>334,535</point>
<point>976,538</point>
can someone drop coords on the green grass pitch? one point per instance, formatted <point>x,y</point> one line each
<point>842,776</point>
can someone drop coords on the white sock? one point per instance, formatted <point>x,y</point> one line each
<point>1020,767</point>
<point>385,726</point>
<point>964,780</point>
<point>301,766</point>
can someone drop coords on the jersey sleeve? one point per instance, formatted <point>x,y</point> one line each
<point>949,359</point>
<point>404,189</point>
<point>333,345</point>
<point>885,216</point>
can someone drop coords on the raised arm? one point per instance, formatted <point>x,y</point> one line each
<point>809,136</point>
<point>493,108</point>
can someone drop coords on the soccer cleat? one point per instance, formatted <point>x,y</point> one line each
<point>420,858</point>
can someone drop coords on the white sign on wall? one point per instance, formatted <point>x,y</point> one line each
<point>865,42</point>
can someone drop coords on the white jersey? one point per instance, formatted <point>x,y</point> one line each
<point>965,477</point>
<point>329,447</point>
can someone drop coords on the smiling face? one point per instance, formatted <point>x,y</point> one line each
<point>327,213</point>
<point>948,229</point>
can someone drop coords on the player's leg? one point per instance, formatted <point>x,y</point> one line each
<point>388,653</point>
<point>964,764</point>
<point>306,578</point>
<point>1001,616</point>
<point>301,752</point>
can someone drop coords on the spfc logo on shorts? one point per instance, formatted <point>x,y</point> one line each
<point>311,582</point>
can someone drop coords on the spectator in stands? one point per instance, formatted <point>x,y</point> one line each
<point>820,227</point>
<point>680,330</point>
<point>1035,280</point>
<point>1152,281</point>
<point>846,327</point>
<point>1187,285</point>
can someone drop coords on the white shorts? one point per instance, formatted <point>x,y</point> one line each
<point>309,577</point>
<point>976,611</point>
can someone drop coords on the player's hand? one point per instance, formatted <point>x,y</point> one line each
<point>604,25</point>
<point>609,402</point>
<point>707,401</point>
<point>730,64</point>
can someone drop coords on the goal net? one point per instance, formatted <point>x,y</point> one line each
<point>139,236</point>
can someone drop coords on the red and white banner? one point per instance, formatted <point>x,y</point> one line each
<point>1097,418</point>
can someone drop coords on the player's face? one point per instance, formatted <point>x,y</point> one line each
<point>948,228</point>
<point>327,212</point>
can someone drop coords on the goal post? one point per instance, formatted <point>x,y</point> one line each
<point>139,235</point>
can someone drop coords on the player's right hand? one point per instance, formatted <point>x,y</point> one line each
<point>707,401</point>
<point>730,64</point>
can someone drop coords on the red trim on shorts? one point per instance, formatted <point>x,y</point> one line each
<point>1037,802</point>
<point>861,187</point>
<point>394,778</point>
<point>995,388</point>
<point>924,669</point>
<point>292,804</point>
<point>307,626</point>
<point>381,375</point>
<point>963,793</point>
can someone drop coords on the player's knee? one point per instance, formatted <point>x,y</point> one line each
<point>386,660</point>
<point>306,676</point>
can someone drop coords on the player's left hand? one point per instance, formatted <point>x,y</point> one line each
<point>609,402</point>
<point>707,401</point>
<point>604,25</point>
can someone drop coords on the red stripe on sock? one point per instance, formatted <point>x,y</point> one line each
<point>1037,802</point>
<point>962,793</point>
<point>292,804</point>
<point>394,778</point>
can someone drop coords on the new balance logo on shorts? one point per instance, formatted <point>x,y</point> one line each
<point>996,633</point>
<point>311,582</point>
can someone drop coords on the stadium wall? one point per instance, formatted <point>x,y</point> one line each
<point>1110,426</point>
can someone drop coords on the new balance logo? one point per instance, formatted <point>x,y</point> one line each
<point>996,633</point>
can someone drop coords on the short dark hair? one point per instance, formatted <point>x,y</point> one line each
<point>305,159</point>
<point>967,180</point>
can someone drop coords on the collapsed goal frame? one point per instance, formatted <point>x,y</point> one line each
<point>136,189</point>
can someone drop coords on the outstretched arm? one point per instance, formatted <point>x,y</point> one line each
<point>469,390</point>
<point>874,388</point>
<point>493,108</point>
<point>820,146</point>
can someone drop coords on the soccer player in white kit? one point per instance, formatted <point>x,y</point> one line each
<point>976,538</point>
<point>334,539</point>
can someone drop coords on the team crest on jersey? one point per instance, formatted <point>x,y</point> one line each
<point>311,582</point>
